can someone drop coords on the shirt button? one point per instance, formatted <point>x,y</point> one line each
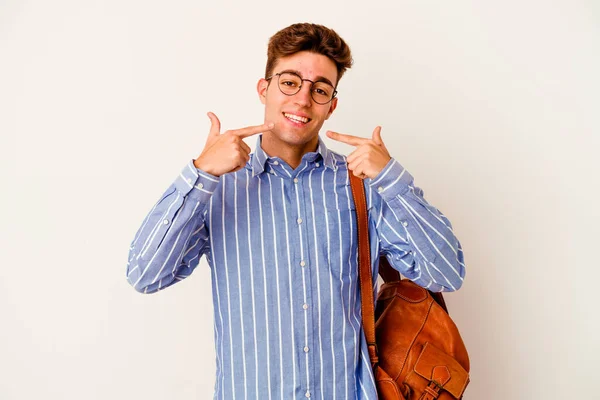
<point>306,349</point>
<point>166,222</point>
<point>305,306</point>
<point>299,220</point>
<point>295,180</point>
<point>272,172</point>
<point>276,163</point>
<point>404,223</point>
<point>307,394</point>
<point>200,186</point>
<point>380,189</point>
<point>317,165</point>
<point>189,180</point>
<point>302,263</point>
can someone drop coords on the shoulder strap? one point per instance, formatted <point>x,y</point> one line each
<point>364,265</point>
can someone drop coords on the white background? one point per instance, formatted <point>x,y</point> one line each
<point>492,106</point>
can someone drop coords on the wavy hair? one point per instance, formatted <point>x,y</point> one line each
<point>309,37</point>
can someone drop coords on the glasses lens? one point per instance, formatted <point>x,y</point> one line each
<point>322,92</point>
<point>289,83</point>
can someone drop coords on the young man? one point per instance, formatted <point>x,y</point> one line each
<point>279,232</point>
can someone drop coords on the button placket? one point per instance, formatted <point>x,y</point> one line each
<point>306,342</point>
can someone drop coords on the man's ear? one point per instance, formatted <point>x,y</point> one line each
<point>261,89</point>
<point>332,107</point>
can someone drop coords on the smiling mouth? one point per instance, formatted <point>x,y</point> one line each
<point>296,118</point>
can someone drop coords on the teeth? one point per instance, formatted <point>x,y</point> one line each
<point>296,118</point>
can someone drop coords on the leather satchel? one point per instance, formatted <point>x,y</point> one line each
<point>415,348</point>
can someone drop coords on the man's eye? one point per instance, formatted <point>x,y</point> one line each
<point>288,83</point>
<point>321,91</point>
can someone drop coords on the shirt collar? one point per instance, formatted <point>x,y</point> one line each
<point>260,158</point>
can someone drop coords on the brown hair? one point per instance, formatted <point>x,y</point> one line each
<point>309,37</point>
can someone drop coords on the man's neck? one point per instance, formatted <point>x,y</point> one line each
<point>291,154</point>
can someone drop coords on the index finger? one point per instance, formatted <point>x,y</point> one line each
<point>348,139</point>
<point>252,130</point>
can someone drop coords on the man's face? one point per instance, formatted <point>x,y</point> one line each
<point>281,108</point>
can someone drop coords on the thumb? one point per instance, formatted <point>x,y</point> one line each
<point>215,125</point>
<point>377,136</point>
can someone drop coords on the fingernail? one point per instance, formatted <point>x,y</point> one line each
<point>270,124</point>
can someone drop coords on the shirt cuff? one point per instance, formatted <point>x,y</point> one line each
<point>392,181</point>
<point>196,183</point>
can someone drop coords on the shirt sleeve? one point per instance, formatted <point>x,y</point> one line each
<point>173,236</point>
<point>416,237</point>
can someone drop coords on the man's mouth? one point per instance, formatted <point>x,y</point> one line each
<point>297,118</point>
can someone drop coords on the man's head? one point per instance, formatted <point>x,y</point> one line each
<point>296,55</point>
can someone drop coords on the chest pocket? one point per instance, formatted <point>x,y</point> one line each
<point>340,221</point>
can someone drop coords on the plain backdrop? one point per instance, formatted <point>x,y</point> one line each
<point>492,106</point>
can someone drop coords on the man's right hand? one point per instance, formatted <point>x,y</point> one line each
<point>226,152</point>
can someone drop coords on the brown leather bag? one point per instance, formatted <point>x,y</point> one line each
<point>415,348</point>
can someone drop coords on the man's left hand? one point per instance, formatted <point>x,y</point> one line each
<point>370,156</point>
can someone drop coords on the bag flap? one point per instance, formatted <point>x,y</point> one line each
<point>435,365</point>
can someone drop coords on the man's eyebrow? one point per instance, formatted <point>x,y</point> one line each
<point>319,78</point>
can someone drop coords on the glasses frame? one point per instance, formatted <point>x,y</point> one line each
<point>278,74</point>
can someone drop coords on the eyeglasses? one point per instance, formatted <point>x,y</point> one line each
<point>290,83</point>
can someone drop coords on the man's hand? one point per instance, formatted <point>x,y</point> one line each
<point>226,152</point>
<point>370,156</point>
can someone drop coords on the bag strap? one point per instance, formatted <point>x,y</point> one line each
<point>364,266</point>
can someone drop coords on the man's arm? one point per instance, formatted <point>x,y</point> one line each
<point>173,236</point>
<point>415,236</point>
